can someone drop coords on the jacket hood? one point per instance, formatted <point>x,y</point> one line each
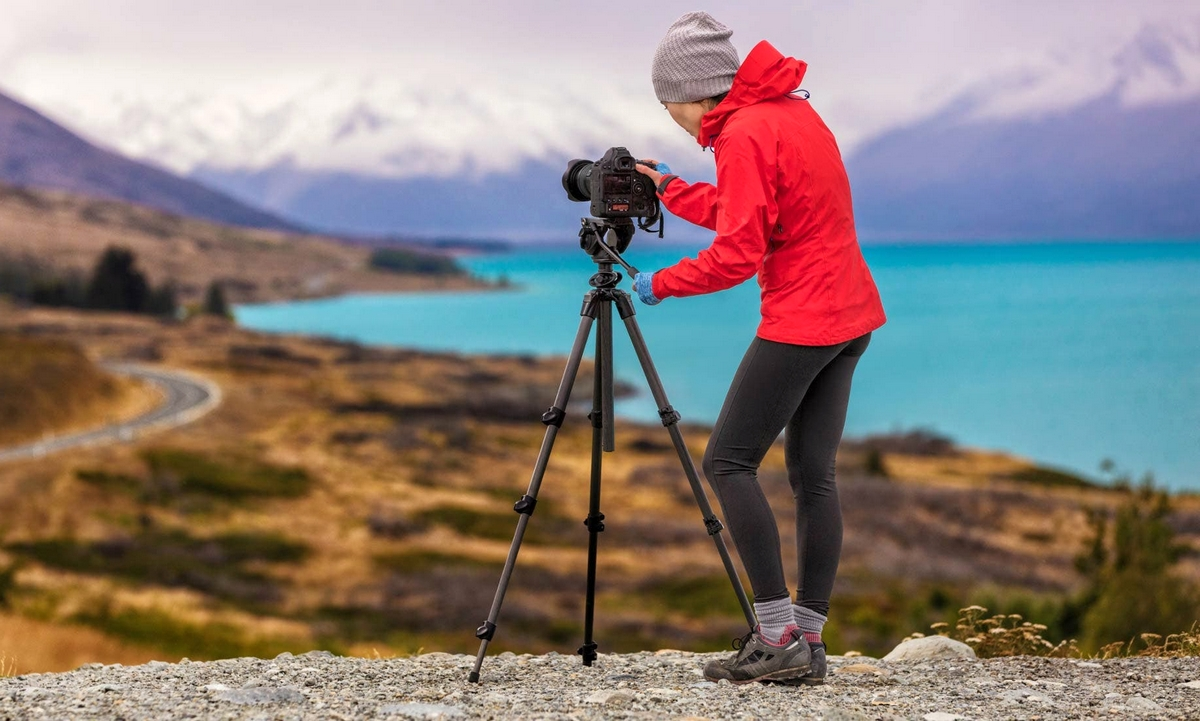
<point>765,74</point>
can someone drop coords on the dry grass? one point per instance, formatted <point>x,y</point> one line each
<point>1175,645</point>
<point>1002,635</point>
<point>31,646</point>
<point>1011,635</point>
<point>413,461</point>
<point>51,386</point>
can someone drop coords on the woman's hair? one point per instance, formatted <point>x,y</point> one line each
<point>716,99</point>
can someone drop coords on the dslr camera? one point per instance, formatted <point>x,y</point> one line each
<point>614,186</point>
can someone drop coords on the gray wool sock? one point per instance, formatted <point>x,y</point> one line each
<point>774,617</point>
<point>810,622</point>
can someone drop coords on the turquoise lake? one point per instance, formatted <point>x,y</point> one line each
<point>1067,353</point>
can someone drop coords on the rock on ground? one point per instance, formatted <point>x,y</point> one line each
<point>666,684</point>
<point>929,647</point>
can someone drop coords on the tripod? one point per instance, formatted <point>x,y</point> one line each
<point>597,307</point>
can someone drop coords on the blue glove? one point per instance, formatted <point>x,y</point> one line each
<point>644,286</point>
<point>660,166</point>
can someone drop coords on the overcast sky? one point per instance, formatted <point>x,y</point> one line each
<point>872,65</point>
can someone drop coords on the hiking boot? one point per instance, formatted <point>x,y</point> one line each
<point>816,674</point>
<point>758,660</point>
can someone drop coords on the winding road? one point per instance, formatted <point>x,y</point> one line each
<point>187,398</point>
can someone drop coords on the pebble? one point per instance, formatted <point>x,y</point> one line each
<point>862,668</point>
<point>421,710</point>
<point>1145,705</point>
<point>261,695</point>
<point>648,685</point>
<point>609,698</point>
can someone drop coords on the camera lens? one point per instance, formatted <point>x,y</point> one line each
<point>577,180</point>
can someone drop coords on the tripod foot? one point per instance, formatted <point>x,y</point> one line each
<point>474,677</point>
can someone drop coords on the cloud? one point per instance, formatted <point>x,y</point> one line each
<point>185,83</point>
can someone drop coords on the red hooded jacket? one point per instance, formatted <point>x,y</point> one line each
<point>780,208</point>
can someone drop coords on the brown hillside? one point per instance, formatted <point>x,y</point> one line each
<point>46,385</point>
<point>70,232</point>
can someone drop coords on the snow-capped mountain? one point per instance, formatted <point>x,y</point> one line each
<point>390,154</point>
<point>376,126</point>
<point>37,152</point>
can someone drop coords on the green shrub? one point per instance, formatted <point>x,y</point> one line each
<point>214,566</point>
<point>695,596</point>
<point>1050,477</point>
<point>400,260</point>
<point>201,642</point>
<point>231,478</point>
<point>1132,588</point>
<point>416,561</point>
<point>112,482</point>
<point>544,527</point>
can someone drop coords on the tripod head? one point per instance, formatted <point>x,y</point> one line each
<point>605,240</point>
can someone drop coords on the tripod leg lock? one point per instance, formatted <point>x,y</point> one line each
<point>713,524</point>
<point>554,417</point>
<point>594,523</point>
<point>588,651</point>
<point>597,419</point>
<point>624,305</point>
<point>486,631</point>
<point>525,505</point>
<point>669,416</point>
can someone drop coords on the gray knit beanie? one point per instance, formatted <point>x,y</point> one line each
<point>694,61</point>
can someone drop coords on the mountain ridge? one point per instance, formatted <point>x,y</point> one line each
<point>37,152</point>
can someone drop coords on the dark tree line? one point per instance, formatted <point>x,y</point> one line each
<point>115,283</point>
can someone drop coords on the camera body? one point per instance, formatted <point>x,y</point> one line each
<point>613,185</point>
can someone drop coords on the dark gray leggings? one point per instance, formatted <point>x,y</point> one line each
<point>803,390</point>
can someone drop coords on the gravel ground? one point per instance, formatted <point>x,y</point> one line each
<point>666,684</point>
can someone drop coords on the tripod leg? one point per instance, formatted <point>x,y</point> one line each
<point>670,419</point>
<point>553,419</point>
<point>602,436</point>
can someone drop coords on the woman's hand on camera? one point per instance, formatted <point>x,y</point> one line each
<point>643,285</point>
<point>654,174</point>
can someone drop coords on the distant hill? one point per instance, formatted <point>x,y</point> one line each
<point>69,232</point>
<point>37,152</point>
<point>1099,170</point>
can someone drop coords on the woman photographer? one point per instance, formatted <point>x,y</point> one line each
<point>781,209</point>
